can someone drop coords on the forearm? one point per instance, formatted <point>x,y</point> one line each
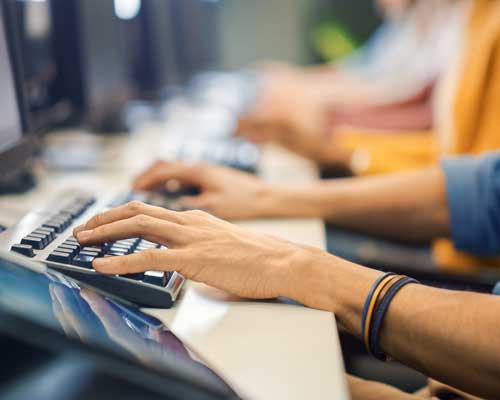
<point>450,336</point>
<point>407,206</point>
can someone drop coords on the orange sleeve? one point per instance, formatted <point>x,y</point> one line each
<point>448,258</point>
<point>386,152</point>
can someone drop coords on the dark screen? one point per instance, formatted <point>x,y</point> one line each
<point>53,301</point>
<point>10,121</point>
<point>150,45</point>
<point>40,69</point>
<point>104,62</point>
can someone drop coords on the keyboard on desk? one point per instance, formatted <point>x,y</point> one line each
<point>47,237</point>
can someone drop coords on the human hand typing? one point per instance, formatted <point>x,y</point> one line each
<point>200,247</point>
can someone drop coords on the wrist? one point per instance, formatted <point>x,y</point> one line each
<point>284,201</point>
<point>323,281</point>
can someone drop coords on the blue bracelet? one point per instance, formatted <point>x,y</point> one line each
<point>379,315</point>
<point>368,300</point>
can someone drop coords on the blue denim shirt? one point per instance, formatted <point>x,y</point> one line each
<point>473,189</point>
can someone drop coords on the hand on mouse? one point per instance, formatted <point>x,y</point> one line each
<point>224,192</point>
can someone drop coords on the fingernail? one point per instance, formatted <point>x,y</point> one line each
<point>84,235</point>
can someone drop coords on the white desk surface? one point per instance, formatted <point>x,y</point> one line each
<point>265,350</point>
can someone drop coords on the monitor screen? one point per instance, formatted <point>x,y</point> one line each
<point>40,69</point>
<point>107,83</point>
<point>150,45</point>
<point>30,292</point>
<point>47,104</point>
<point>94,69</point>
<point>10,119</point>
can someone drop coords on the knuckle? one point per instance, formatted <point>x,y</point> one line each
<point>142,221</point>
<point>96,220</point>
<point>136,206</point>
<point>197,213</point>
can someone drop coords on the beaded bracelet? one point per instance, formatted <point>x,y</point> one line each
<point>379,315</point>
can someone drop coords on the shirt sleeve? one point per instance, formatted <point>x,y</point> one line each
<point>473,190</point>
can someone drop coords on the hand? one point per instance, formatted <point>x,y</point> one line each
<point>225,192</point>
<point>200,247</point>
<point>287,112</point>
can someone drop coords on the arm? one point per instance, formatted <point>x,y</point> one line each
<point>406,206</point>
<point>451,336</point>
<point>409,206</point>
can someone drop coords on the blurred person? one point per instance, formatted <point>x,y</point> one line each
<point>452,336</point>
<point>295,107</point>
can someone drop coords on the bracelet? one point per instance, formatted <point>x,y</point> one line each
<point>378,319</point>
<point>368,307</point>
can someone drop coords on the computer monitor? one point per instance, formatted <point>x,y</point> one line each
<point>150,44</point>
<point>47,105</point>
<point>93,60</point>
<point>196,36</point>
<point>15,146</point>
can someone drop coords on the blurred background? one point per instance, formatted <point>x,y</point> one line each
<point>295,31</point>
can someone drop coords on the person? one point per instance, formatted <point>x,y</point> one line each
<point>448,335</point>
<point>407,206</point>
<point>464,108</point>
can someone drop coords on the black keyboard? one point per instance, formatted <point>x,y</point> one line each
<point>47,237</point>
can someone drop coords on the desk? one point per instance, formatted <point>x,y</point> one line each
<point>266,350</point>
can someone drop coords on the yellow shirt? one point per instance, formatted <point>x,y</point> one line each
<point>475,120</point>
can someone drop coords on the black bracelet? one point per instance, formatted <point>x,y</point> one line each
<point>368,300</point>
<point>379,315</point>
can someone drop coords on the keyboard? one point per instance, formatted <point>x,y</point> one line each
<point>46,236</point>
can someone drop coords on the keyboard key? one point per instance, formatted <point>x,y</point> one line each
<point>35,242</point>
<point>68,247</point>
<point>94,254</point>
<point>117,253</point>
<point>59,257</point>
<point>70,252</point>
<point>58,227</point>
<point>50,233</point>
<point>24,249</point>
<point>84,261</point>
<point>95,249</point>
<point>156,278</point>
<point>120,248</point>
<point>45,239</point>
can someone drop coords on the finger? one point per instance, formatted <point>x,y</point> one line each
<point>128,211</point>
<point>148,260</point>
<point>144,226</point>
<point>185,174</point>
